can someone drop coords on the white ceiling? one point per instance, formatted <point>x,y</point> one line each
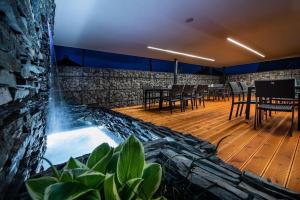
<point>128,26</point>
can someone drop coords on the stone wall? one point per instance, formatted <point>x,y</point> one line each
<point>24,65</point>
<point>279,74</point>
<point>115,87</point>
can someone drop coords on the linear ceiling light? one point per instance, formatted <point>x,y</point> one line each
<point>245,47</point>
<point>182,54</point>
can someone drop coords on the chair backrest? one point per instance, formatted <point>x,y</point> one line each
<point>201,88</point>
<point>244,87</point>
<point>275,88</point>
<point>176,90</point>
<point>297,81</point>
<point>188,89</point>
<point>235,88</point>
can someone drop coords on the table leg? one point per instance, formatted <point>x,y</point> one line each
<point>160,100</point>
<point>298,111</point>
<point>248,103</point>
<point>145,99</point>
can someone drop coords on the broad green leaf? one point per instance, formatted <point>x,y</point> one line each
<point>130,189</point>
<point>36,187</point>
<point>112,165</point>
<point>110,189</point>
<point>66,176</point>
<point>78,171</point>
<point>92,195</point>
<point>91,179</point>
<point>152,177</point>
<point>131,160</point>
<point>53,168</point>
<point>74,163</point>
<point>97,154</point>
<point>101,165</point>
<point>66,191</point>
<point>118,148</point>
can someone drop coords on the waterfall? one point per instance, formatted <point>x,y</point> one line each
<point>56,108</point>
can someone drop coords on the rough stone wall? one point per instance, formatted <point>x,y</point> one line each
<point>24,65</point>
<point>115,87</point>
<point>278,74</point>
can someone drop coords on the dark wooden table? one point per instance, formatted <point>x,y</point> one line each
<point>159,90</point>
<point>249,94</point>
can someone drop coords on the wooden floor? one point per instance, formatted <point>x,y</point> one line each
<point>267,151</point>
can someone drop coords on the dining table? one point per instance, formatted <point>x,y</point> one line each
<point>251,89</point>
<point>155,89</point>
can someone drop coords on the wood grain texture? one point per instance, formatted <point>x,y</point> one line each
<point>266,151</point>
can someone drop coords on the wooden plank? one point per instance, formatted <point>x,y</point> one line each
<point>278,169</point>
<point>250,141</point>
<point>248,151</point>
<point>262,151</point>
<point>260,159</point>
<point>293,180</point>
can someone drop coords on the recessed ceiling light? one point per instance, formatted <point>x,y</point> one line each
<point>245,47</point>
<point>180,53</point>
<point>188,20</point>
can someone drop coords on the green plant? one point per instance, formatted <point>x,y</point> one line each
<point>109,173</point>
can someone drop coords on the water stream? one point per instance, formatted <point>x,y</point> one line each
<point>66,135</point>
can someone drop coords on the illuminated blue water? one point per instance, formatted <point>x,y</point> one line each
<point>62,145</point>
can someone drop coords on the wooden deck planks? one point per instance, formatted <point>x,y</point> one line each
<point>293,180</point>
<point>267,151</point>
<point>280,165</point>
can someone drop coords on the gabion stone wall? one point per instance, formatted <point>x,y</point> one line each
<point>115,87</point>
<point>269,75</point>
<point>24,63</point>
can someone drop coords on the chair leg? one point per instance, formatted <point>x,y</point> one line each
<point>203,102</point>
<point>237,110</point>
<point>149,100</point>
<point>241,109</point>
<point>255,118</point>
<point>230,114</point>
<point>259,118</point>
<point>192,102</point>
<point>181,106</point>
<point>292,125</point>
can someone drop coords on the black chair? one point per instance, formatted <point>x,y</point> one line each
<point>267,91</point>
<point>175,94</point>
<point>188,94</point>
<point>200,93</point>
<point>244,88</point>
<point>297,83</point>
<point>219,91</point>
<point>226,92</point>
<point>215,90</point>
<point>151,97</point>
<point>236,91</point>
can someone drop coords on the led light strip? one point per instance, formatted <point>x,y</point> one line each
<point>182,54</point>
<point>245,47</point>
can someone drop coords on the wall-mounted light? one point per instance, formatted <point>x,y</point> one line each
<point>180,53</point>
<point>245,47</point>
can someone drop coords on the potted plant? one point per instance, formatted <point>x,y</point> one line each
<point>109,173</point>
